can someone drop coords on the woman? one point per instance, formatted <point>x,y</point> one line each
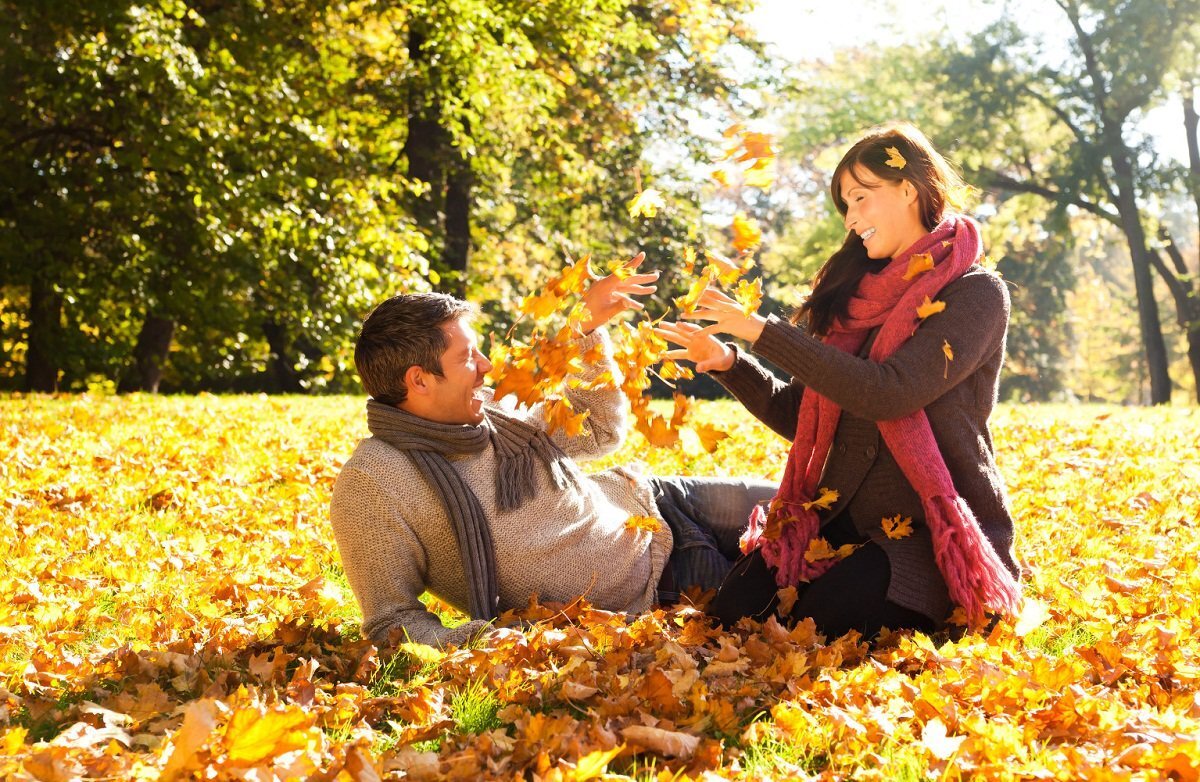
<point>891,508</point>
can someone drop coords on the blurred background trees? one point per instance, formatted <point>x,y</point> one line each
<point>210,194</point>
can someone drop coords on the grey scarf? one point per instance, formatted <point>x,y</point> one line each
<point>429,444</point>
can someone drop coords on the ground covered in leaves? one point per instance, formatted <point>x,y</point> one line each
<point>172,607</point>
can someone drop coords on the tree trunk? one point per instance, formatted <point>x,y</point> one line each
<point>1153,343</point>
<point>149,355</point>
<point>424,147</point>
<point>458,225</point>
<point>45,327</point>
<point>282,376</point>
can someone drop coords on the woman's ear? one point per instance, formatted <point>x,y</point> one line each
<point>909,192</point>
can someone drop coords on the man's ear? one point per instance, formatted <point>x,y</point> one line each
<point>416,381</point>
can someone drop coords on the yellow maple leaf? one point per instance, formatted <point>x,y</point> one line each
<point>541,305</point>
<point>254,736</point>
<point>688,301</point>
<point>746,233</point>
<point>948,352</point>
<point>689,260</point>
<point>928,308</point>
<point>819,550</point>
<point>646,203</point>
<point>919,263</point>
<point>595,763</point>
<point>761,174</point>
<point>825,500</point>
<point>749,295</point>
<point>574,278</point>
<point>720,177</point>
<point>725,271</point>
<point>895,159</point>
<point>897,527</point>
<point>787,599</point>
<point>647,523</point>
<point>657,430</point>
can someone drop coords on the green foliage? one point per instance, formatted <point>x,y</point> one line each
<point>257,174</point>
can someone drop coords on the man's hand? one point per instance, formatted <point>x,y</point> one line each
<point>728,317</point>
<point>704,350</point>
<point>611,295</point>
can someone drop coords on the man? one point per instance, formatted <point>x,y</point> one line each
<point>479,505</point>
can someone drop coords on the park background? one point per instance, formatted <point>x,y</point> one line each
<point>202,197</point>
<point>209,196</point>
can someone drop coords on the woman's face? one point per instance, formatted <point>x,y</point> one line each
<point>886,215</point>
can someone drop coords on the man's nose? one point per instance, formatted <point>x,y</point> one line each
<point>485,366</point>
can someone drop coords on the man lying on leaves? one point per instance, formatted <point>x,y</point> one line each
<point>483,507</point>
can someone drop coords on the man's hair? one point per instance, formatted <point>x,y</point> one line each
<point>404,331</point>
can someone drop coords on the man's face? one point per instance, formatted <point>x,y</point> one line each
<point>456,393</point>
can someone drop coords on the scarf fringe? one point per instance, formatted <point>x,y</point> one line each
<point>976,578</point>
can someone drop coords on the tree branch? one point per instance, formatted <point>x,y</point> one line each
<point>1006,182</point>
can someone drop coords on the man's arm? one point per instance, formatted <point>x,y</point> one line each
<point>386,564</point>
<point>607,422</point>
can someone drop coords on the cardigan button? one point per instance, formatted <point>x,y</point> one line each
<point>871,451</point>
<point>841,448</point>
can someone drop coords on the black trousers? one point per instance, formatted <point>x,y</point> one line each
<point>851,595</point>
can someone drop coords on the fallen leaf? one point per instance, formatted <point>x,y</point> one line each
<point>670,743</point>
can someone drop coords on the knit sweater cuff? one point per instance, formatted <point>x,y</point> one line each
<point>789,348</point>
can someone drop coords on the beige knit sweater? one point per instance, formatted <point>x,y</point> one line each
<point>396,541</point>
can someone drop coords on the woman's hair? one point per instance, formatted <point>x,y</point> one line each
<point>939,189</point>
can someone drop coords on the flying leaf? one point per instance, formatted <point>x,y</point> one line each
<point>787,599</point>
<point>928,308</point>
<point>918,263</point>
<point>689,260</point>
<point>688,301</point>
<point>895,159</point>
<point>749,295</point>
<point>897,527</point>
<point>646,203</point>
<point>720,177</point>
<point>561,415</point>
<point>760,175</point>
<point>541,305</point>
<point>575,277</point>
<point>709,436</point>
<point>746,233</point>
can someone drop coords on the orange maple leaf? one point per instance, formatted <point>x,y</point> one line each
<point>948,352</point>
<point>647,523</point>
<point>895,159</point>
<point>819,550</point>
<point>574,278</point>
<point>918,264</point>
<point>709,436</point>
<point>897,527</point>
<point>746,233</point>
<point>928,308</point>
<point>761,174</point>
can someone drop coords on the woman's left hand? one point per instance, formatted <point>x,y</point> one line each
<point>608,296</point>
<point>727,315</point>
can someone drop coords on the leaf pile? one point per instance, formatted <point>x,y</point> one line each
<point>172,607</point>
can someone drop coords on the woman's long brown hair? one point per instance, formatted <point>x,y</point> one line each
<point>938,187</point>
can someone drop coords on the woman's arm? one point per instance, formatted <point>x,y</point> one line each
<point>768,398</point>
<point>972,325</point>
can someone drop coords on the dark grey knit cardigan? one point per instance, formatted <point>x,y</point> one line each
<point>958,397</point>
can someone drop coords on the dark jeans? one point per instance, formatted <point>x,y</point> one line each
<point>706,517</point>
<point>851,595</point>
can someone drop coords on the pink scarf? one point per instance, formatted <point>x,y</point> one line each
<point>976,578</point>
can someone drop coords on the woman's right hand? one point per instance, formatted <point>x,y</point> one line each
<point>706,351</point>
